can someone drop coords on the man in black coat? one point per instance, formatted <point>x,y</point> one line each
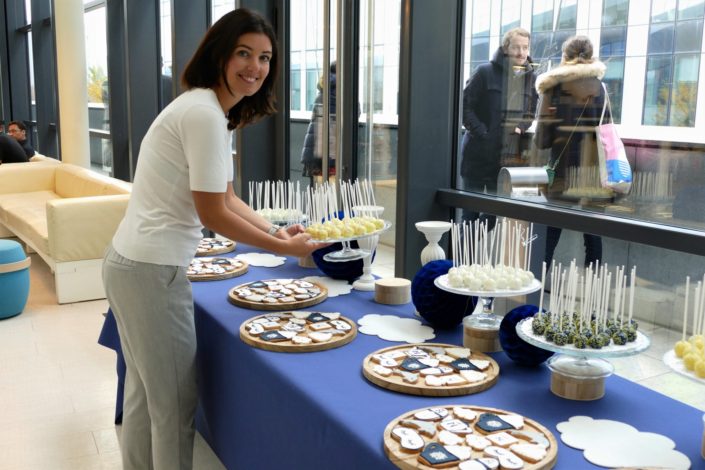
<point>18,130</point>
<point>11,151</point>
<point>499,103</point>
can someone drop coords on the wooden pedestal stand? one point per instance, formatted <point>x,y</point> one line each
<point>572,388</point>
<point>481,339</point>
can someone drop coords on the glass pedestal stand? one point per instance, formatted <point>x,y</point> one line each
<point>579,374</point>
<point>347,253</point>
<point>481,328</point>
<point>366,282</point>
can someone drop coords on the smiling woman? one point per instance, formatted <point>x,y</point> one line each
<point>183,182</point>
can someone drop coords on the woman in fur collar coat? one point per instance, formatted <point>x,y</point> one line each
<point>571,99</point>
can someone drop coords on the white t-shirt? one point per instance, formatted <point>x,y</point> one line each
<point>187,148</point>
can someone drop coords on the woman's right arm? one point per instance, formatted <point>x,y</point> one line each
<point>216,216</point>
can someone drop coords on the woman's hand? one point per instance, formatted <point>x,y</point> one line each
<point>290,231</point>
<point>301,245</point>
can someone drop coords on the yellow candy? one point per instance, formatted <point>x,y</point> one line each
<point>700,368</point>
<point>699,343</point>
<point>682,348</point>
<point>689,360</point>
<point>334,232</point>
<point>379,223</point>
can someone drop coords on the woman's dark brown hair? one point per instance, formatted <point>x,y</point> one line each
<point>207,67</point>
<point>577,50</point>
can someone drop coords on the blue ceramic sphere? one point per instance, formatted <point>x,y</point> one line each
<point>439,308</point>
<point>516,348</point>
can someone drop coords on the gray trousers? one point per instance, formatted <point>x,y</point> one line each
<point>153,306</point>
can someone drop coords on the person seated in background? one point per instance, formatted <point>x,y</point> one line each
<point>18,130</point>
<point>11,151</point>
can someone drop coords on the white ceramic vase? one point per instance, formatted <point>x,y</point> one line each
<point>433,230</point>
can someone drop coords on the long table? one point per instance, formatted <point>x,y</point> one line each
<point>265,410</point>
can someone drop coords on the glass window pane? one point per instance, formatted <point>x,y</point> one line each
<point>661,38</point>
<point>220,8</point>
<point>511,14</point>
<point>541,45</point>
<point>568,14</point>
<point>480,49</point>
<point>613,41</point>
<point>614,80</point>
<point>481,17</point>
<point>663,10</point>
<point>685,90</point>
<point>690,9</point>
<point>689,35</point>
<point>656,95</point>
<point>559,38</point>
<point>615,12</point>
<point>166,84</point>
<point>542,18</point>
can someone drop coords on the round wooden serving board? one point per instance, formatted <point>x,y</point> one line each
<point>238,269</point>
<point>262,289</point>
<point>311,318</point>
<point>214,246</point>
<point>409,460</point>
<point>395,381</point>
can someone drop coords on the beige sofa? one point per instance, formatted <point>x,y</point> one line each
<point>68,215</point>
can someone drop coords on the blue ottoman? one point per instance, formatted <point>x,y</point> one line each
<point>14,278</point>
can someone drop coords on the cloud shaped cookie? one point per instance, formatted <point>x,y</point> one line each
<point>394,328</point>
<point>612,444</point>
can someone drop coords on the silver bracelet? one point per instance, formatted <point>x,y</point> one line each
<point>273,229</point>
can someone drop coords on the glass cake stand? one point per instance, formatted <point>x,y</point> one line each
<point>579,374</point>
<point>486,318</point>
<point>347,253</point>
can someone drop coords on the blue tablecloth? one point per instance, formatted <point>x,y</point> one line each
<point>260,409</point>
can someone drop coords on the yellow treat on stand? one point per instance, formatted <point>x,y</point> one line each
<point>682,348</point>
<point>700,368</point>
<point>689,360</point>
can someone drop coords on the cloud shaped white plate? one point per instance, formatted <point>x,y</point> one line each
<point>266,260</point>
<point>613,444</point>
<point>335,287</point>
<point>394,328</point>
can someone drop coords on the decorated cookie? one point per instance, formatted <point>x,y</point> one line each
<point>214,246</point>
<point>440,372</point>
<point>435,455</point>
<point>450,442</point>
<point>408,438</point>
<point>286,332</point>
<point>270,294</point>
<point>490,422</point>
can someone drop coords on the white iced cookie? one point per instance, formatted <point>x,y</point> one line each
<point>320,326</point>
<point>409,440</point>
<point>517,421</point>
<point>480,363</point>
<point>455,380</point>
<point>432,414</point>
<point>444,358</point>
<point>484,463</point>
<point>502,439</point>
<point>409,377</point>
<point>320,337</point>
<point>301,340</point>
<point>331,315</point>
<point>458,353</point>
<point>435,381</point>
<point>381,370</point>
<point>473,375</point>
<point>462,452</point>
<point>424,427</point>
<point>449,439</point>
<point>456,426</point>
<point>464,413</point>
<point>429,361</point>
<point>477,442</point>
<point>507,460</point>
<point>530,452</point>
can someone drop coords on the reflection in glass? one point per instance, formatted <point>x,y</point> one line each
<point>656,96</point>
<point>481,14</point>
<point>166,83</point>
<point>615,12</point>
<point>614,80</point>
<point>511,14</point>
<point>661,38</point>
<point>220,7</point>
<point>689,35</point>
<point>685,90</point>
<point>663,10</point>
<point>568,14</point>
<point>542,18</point>
<point>690,9</point>
<point>613,41</point>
